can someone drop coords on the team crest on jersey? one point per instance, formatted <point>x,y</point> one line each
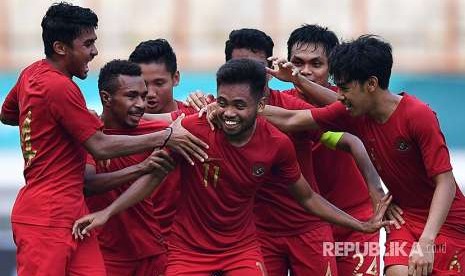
<point>402,145</point>
<point>258,169</point>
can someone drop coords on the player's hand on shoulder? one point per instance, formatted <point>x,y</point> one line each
<point>198,100</point>
<point>283,69</point>
<point>211,111</point>
<point>84,225</point>
<point>186,144</point>
<point>377,220</point>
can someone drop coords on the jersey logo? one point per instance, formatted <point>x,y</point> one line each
<point>258,170</point>
<point>26,144</point>
<point>454,264</point>
<point>402,145</point>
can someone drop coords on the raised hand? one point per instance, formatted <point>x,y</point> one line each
<point>198,100</point>
<point>283,70</point>
<point>211,111</point>
<point>186,144</point>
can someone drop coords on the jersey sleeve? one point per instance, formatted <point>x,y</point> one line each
<point>427,133</point>
<point>69,109</point>
<point>334,117</point>
<point>10,107</point>
<point>286,167</point>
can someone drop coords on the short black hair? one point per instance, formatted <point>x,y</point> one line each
<point>360,59</point>
<point>251,39</point>
<point>312,34</point>
<point>243,71</point>
<point>157,51</point>
<point>65,22</point>
<point>108,77</point>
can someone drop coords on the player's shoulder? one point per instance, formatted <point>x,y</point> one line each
<point>288,100</point>
<point>271,133</point>
<point>415,110</point>
<point>151,125</point>
<point>195,124</point>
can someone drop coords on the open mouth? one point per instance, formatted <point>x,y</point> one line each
<point>230,124</point>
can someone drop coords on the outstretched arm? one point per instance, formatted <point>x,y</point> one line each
<point>289,120</point>
<point>317,205</point>
<point>141,188</point>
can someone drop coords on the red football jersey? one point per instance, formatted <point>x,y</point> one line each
<point>53,123</point>
<point>407,151</point>
<point>134,233</point>
<point>216,210</point>
<point>335,184</point>
<point>277,212</point>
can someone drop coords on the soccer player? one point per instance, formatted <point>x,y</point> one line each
<point>405,142</point>
<point>308,48</point>
<point>293,240</point>
<point>159,70</point>
<point>142,252</point>
<point>56,129</point>
<point>214,228</point>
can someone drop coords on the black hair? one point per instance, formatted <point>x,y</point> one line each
<point>157,51</point>
<point>251,39</point>
<point>360,59</point>
<point>108,77</point>
<point>243,71</point>
<point>65,22</point>
<point>312,34</point>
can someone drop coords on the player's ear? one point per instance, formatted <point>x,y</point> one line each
<point>59,48</point>
<point>176,78</point>
<point>106,98</point>
<point>371,84</point>
<point>261,104</point>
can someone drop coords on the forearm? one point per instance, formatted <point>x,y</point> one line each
<point>289,120</point>
<point>140,189</point>
<point>103,182</point>
<point>440,204</point>
<point>103,146</point>
<point>166,117</point>
<point>320,207</point>
<point>315,93</point>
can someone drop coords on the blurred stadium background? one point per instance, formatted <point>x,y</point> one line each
<point>426,36</point>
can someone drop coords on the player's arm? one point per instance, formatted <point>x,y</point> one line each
<point>96,183</point>
<point>165,117</point>
<point>103,146</point>
<point>289,120</point>
<point>140,189</point>
<point>9,121</point>
<point>286,71</point>
<point>444,194</point>
<point>317,205</point>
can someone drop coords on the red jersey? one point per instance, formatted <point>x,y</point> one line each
<point>53,123</point>
<point>277,212</point>
<point>336,186</point>
<point>407,151</point>
<point>216,212</point>
<point>134,233</point>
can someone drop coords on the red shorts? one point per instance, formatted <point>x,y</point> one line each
<point>360,250</point>
<point>301,254</point>
<point>50,251</point>
<point>153,266</point>
<point>248,262</point>
<point>449,257</point>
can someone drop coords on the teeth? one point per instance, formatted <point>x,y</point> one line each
<point>230,123</point>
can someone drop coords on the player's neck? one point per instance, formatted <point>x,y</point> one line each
<point>60,66</point>
<point>242,138</point>
<point>384,105</point>
<point>169,107</point>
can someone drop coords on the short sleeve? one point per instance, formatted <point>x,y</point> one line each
<point>10,107</point>
<point>334,117</point>
<point>69,109</point>
<point>431,141</point>
<point>286,167</point>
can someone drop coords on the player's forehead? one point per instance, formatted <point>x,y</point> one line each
<point>308,51</point>
<point>86,35</point>
<point>131,83</point>
<point>258,55</point>
<point>235,92</point>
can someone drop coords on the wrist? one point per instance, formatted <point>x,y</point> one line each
<point>426,239</point>
<point>169,132</point>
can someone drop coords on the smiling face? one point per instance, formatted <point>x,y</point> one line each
<point>160,83</point>
<point>80,53</point>
<point>355,96</point>
<point>126,105</point>
<point>238,110</point>
<point>312,61</point>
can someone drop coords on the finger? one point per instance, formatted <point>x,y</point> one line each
<point>397,216</point>
<point>398,209</point>
<point>194,151</point>
<point>271,71</point>
<point>165,164</point>
<point>198,104</point>
<point>424,269</point>
<point>411,268</point>
<point>391,217</point>
<point>185,155</point>
<point>212,125</point>
<point>87,229</point>
<point>272,58</point>
<point>430,268</point>
<point>388,229</point>
<point>198,143</point>
<point>202,111</point>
